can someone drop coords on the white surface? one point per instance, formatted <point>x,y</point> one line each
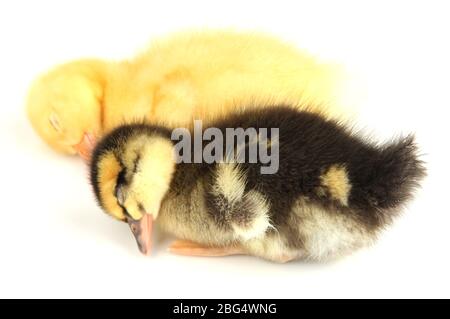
<point>54,240</point>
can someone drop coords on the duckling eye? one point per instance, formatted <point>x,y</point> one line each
<point>54,122</point>
<point>118,192</point>
<point>120,196</point>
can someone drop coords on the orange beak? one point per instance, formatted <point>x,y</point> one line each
<point>142,231</point>
<point>86,146</point>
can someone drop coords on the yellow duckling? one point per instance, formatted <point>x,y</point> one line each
<point>185,76</point>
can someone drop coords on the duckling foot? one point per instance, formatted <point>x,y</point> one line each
<point>189,248</point>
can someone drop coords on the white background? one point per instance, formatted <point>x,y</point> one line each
<point>54,240</point>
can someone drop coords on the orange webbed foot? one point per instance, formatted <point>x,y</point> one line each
<point>189,248</point>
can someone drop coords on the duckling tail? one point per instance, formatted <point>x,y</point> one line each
<point>387,177</point>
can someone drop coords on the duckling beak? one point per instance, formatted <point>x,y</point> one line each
<point>142,231</point>
<point>85,147</point>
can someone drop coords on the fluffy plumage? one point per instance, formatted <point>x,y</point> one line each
<point>185,76</point>
<point>333,192</point>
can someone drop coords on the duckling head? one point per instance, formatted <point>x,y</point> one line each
<point>64,108</point>
<point>131,171</point>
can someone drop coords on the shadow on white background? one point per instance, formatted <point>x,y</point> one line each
<point>56,242</point>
